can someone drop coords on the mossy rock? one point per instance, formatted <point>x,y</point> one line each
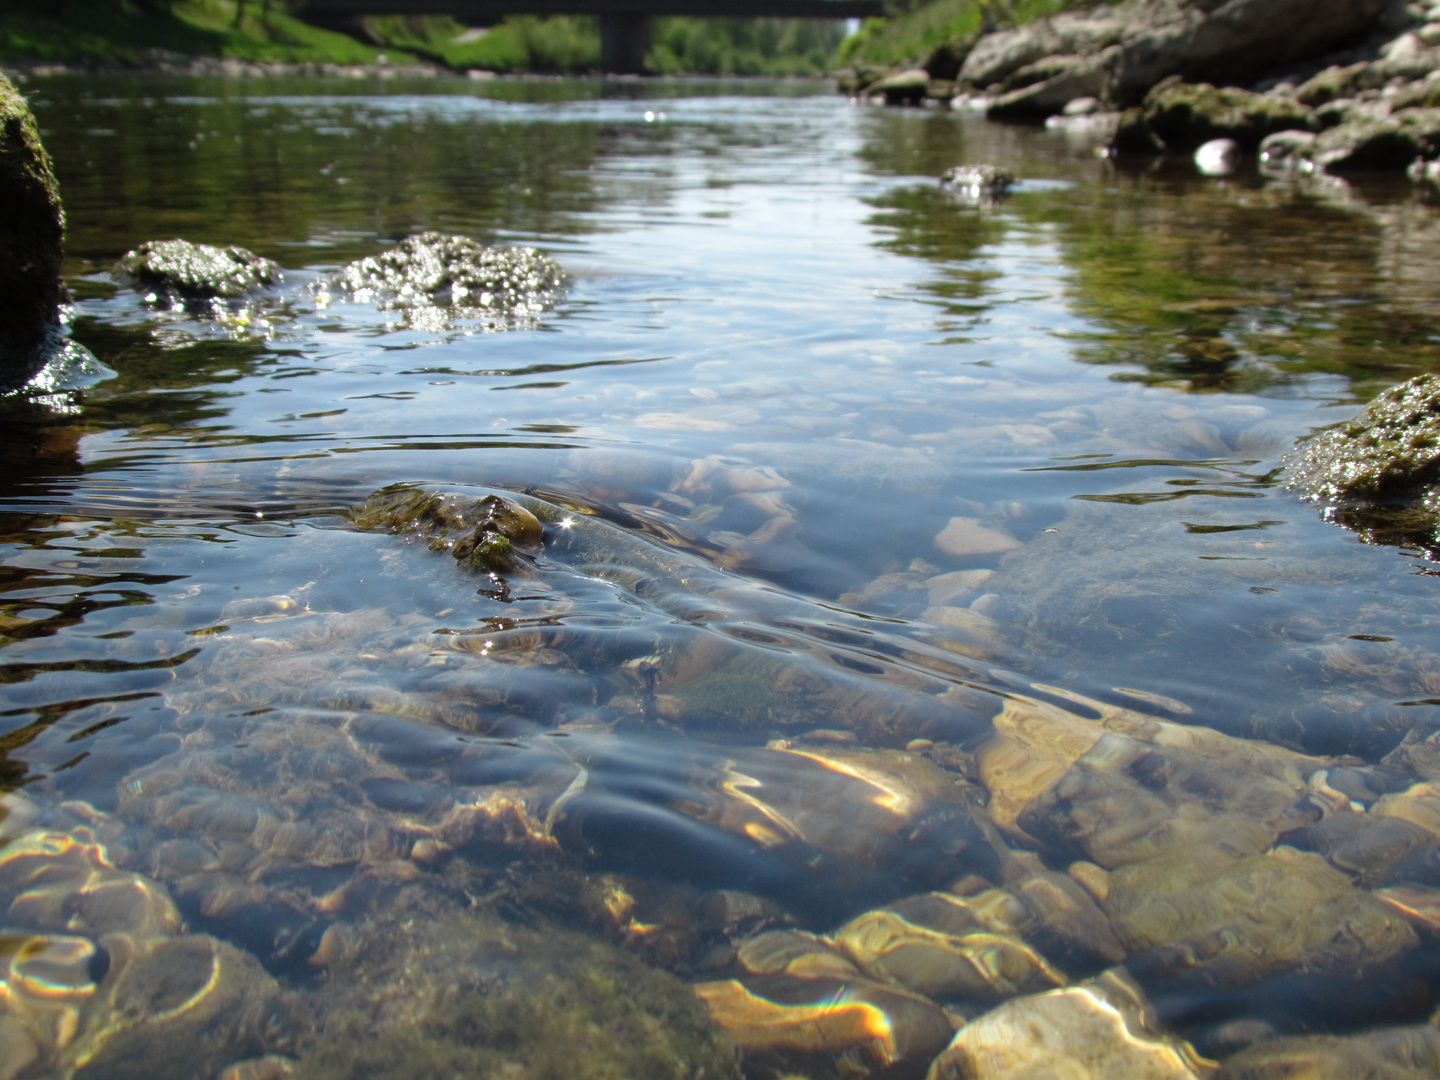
<point>433,271</point>
<point>470,995</point>
<point>1380,473</point>
<point>32,232</point>
<point>1368,144</point>
<point>183,270</point>
<point>1185,116</point>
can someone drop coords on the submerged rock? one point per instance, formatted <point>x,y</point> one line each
<point>465,994</point>
<point>977,183</point>
<point>1097,1030</point>
<point>487,534</point>
<point>1126,786</point>
<point>32,229</point>
<point>1396,1053</point>
<point>1379,473</point>
<point>1237,919</point>
<point>432,277</point>
<point>178,270</point>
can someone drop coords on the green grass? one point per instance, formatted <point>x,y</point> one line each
<point>743,46</point>
<point>120,32</point>
<point>907,37</point>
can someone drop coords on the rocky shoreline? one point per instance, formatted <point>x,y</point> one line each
<point>1352,86</point>
<point>166,62</point>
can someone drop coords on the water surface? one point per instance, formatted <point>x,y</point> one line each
<point>787,360</point>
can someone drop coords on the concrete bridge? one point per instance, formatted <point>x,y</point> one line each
<point>624,24</point>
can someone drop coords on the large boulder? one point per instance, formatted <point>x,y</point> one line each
<point>1125,50</point>
<point>1237,41</point>
<point>32,230</point>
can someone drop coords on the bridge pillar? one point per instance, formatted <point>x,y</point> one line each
<point>624,37</point>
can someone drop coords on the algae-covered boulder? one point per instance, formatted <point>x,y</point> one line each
<point>467,994</point>
<point>32,227</point>
<point>432,278</point>
<point>1185,116</point>
<point>1380,473</point>
<point>1367,143</point>
<point>180,270</point>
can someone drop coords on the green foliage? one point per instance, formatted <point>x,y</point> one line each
<point>572,44</point>
<point>564,43</point>
<point>907,37</point>
<point>121,31</point>
<point>743,46</point>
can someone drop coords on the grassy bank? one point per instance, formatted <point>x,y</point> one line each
<point>569,43</point>
<point>126,32</point>
<point>916,30</point>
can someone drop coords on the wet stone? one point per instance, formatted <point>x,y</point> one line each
<point>977,183</point>
<point>432,278</point>
<point>488,534</point>
<point>1236,919</point>
<point>45,982</point>
<point>452,993</point>
<point>1378,473</point>
<point>172,1007</point>
<point>1397,1053</point>
<point>180,270</point>
<point>1126,786</point>
<point>824,1020</point>
<point>925,946</point>
<point>1097,1030</point>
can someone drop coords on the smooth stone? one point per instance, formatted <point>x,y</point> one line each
<point>1218,157</point>
<point>965,536</point>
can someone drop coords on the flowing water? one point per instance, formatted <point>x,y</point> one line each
<point>834,467</point>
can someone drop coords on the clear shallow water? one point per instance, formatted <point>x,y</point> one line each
<point>790,362</point>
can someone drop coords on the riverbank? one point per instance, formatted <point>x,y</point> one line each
<point>244,37</point>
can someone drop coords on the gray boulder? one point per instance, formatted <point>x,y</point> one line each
<point>32,231</point>
<point>1119,53</point>
<point>1065,79</point>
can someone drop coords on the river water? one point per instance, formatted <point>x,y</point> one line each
<point>835,467</point>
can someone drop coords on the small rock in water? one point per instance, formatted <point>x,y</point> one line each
<point>965,536</point>
<point>1082,106</point>
<point>903,88</point>
<point>1380,473</point>
<point>977,182</point>
<point>433,271</point>
<point>1094,1030</point>
<point>1396,1053</point>
<point>183,270</point>
<point>1287,150</point>
<point>1218,157</point>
